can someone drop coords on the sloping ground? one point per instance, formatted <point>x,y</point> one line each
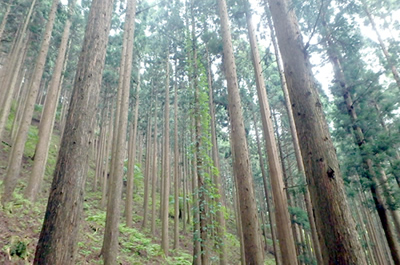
<point>21,220</point>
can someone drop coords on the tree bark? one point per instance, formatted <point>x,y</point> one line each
<point>49,113</point>
<point>283,223</point>
<point>57,242</point>
<point>243,174</point>
<point>132,160</point>
<point>166,170</point>
<point>111,232</point>
<point>335,225</point>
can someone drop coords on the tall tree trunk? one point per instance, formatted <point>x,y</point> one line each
<point>217,177</point>
<point>49,113</point>
<point>296,146</point>
<point>335,225</point>
<point>111,232</point>
<point>132,159</point>
<point>166,169</point>
<point>147,172</point>
<point>251,231</point>
<point>17,150</point>
<point>285,236</point>
<point>266,192</point>
<point>57,241</point>
<point>155,173</point>
<point>176,164</point>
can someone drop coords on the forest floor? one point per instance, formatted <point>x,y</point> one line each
<point>21,220</point>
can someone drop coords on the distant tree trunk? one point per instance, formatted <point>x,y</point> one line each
<point>111,232</point>
<point>17,150</point>
<point>285,236</point>
<point>132,160</point>
<point>104,187</point>
<point>49,113</point>
<point>57,241</point>
<point>155,173</point>
<point>195,199</point>
<point>221,229</point>
<point>166,170</point>
<point>176,165</point>
<point>14,63</point>
<point>148,171</point>
<point>335,225</point>
<point>248,208</point>
<point>266,192</point>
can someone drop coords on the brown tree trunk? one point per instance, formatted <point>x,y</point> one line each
<point>283,223</point>
<point>217,177</point>
<point>147,172</point>
<point>176,165</point>
<point>132,160</point>
<point>57,242</point>
<point>155,173</point>
<point>166,169</point>
<point>242,169</point>
<point>111,232</point>
<point>266,192</point>
<point>49,113</point>
<point>335,225</point>
<point>296,146</point>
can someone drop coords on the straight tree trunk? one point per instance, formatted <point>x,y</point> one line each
<point>296,146</point>
<point>132,161</point>
<point>155,173</point>
<point>17,150</point>
<point>242,169</point>
<point>283,223</point>
<point>147,172</point>
<point>277,254</point>
<point>176,165</point>
<point>57,241</point>
<point>166,170</point>
<point>49,113</point>
<point>335,225</point>
<point>221,229</point>
<point>111,232</point>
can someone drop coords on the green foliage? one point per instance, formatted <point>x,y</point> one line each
<point>300,217</point>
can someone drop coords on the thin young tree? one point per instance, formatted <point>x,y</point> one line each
<point>336,228</point>
<point>57,241</point>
